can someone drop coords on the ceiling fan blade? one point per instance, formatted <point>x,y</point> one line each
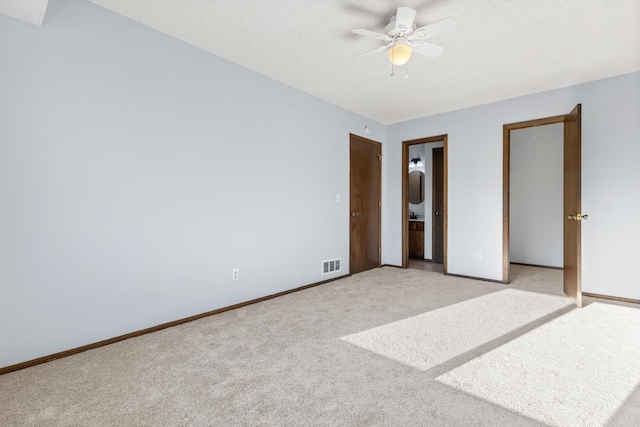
<point>445,25</point>
<point>370,51</point>
<point>404,19</point>
<point>426,48</point>
<point>373,34</point>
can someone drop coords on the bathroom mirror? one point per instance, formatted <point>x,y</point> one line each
<point>416,187</point>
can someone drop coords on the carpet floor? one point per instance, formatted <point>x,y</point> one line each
<point>542,373</point>
<point>282,362</point>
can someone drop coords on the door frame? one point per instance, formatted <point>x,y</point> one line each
<point>433,215</point>
<point>405,195</point>
<point>506,163</point>
<point>506,158</point>
<point>378,145</point>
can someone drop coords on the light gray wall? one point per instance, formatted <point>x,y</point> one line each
<point>536,202</point>
<point>610,180</point>
<point>137,171</point>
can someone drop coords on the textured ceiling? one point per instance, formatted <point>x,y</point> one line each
<point>501,48</point>
<point>31,11</point>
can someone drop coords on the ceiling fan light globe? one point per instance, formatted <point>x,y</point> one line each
<point>400,54</point>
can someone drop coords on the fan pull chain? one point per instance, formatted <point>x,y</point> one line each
<point>406,70</point>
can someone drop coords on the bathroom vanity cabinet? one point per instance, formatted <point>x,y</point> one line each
<point>416,239</point>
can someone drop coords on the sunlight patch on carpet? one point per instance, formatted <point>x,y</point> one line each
<point>576,370</point>
<point>432,338</point>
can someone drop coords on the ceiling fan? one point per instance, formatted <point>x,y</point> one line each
<point>402,37</point>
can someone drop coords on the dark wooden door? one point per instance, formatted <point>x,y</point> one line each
<point>573,205</point>
<point>365,204</point>
<point>438,206</point>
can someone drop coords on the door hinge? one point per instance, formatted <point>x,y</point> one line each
<point>379,249</point>
<point>379,157</point>
<point>379,203</point>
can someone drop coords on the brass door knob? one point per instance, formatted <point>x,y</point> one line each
<point>578,217</point>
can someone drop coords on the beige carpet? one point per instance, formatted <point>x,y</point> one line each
<point>576,370</point>
<point>430,339</point>
<point>282,363</point>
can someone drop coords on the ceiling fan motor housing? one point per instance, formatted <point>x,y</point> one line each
<point>392,31</point>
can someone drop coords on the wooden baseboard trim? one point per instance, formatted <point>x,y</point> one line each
<point>66,353</point>
<point>474,278</point>
<point>536,265</point>
<point>391,265</point>
<point>632,301</point>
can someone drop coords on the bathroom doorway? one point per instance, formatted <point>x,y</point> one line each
<point>424,203</point>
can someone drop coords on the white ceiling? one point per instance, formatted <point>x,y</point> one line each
<point>31,11</point>
<point>501,48</point>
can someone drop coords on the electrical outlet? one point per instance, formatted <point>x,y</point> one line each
<point>235,274</point>
<point>478,256</point>
<point>337,198</point>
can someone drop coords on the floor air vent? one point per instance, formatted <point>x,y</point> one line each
<point>330,266</point>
